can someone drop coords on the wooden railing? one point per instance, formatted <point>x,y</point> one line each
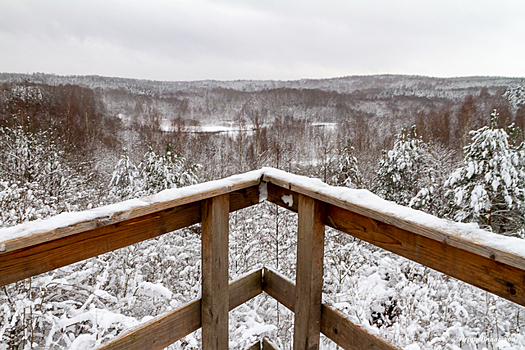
<point>42,247</point>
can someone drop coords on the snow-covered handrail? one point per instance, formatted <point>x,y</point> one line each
<point>489,261</point>
<point>67,224</point>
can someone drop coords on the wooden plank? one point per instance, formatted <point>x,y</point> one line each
<point>244,198</point>
<point>279,287</point>
<point>267,344</point>
<point>167,329</point>
<point>245,288</point>
<point>214,306</point>
<point>35,259</point>
<point>256,346</point>
<point>309,276</point>
<point>236,189</point>
<point>441,236</point>
<point>333,324</point>
<point>264,344</point>
<point>160,332</point>
<point>493,276</point>
<point>348,335</point>
<point>276,194</point>
<point>467,261</point>
<point>47,256</point>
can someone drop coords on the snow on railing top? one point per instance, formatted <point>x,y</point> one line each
<point>113,213</point>
<point>366,203</point>
<point>360,201</point>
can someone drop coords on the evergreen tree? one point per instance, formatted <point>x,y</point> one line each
<point>155,173</point>
<point>349,174</point>
<point>401,169</point>
<point>124,181</point>
<point>516,96</point>
<point>439,162</point>
<point>37,179</point>
<point>490,186</point>
<point>158,172</point>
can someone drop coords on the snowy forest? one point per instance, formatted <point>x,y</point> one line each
<point>453,148</point>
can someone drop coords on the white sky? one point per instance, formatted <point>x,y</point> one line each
<point>263,39</point>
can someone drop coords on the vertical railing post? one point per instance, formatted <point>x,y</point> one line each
<point>309,278</point>
<point>214,305</point>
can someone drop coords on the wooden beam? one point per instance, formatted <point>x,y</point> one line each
<point>43,257</point>
<point>347,335</point>
<point>279,287</point>
<point>244,198</point>
<point>276,194</point>
<point>165,330</point>
<point>160,332</point>
<point>495,271</point>
<point>493,276</point>
<point>243,192</point>
<point>264,344</point>
<point>334,325</point>
<point>245,288</point>
<point>214,306</point>
<point>438,235</point>
<point>39,256</point>
<point>256,346</point>
<point>267,344</point>
<point>309,275</point>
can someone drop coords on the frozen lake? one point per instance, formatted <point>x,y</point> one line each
<point>229,127</point>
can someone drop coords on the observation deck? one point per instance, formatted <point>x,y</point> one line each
<point>489,261</point>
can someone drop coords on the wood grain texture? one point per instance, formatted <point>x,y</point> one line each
<point>245,288</point>
<point>333,324</point>
<point>214,305</point>
<point>279,287</point>
<point>347,335</point>
<point>309,276</point>
<point>244,198</point>
<point>267,344</point>
<point>45,256</point>
<point>160,332</point>
<point>256,346</point>
<point>493,276</point>
<point>276,194</point>
<point>450,239</point>
<point>239,190</point>
<point>468,261</point>
<point>167,329</point>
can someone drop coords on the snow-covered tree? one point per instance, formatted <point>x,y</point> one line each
<point>490,186</point>
<point>158,172</point>
<point>349,174</point>
<point>516,96</point>
<point>155,173</point>
<point>37,179</point>
<point>439,162</point>
<point>124,181</point>
<point>401,169</point>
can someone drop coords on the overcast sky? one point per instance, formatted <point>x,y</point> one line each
<point>264,39</point>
